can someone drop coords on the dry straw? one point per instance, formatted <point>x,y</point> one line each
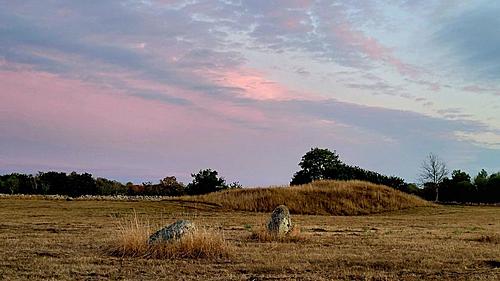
<point>261,234</point>
<point>317,198</point>
<point>131,240</point>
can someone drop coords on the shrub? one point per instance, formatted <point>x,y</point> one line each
<point>235,185</point>
<point>206,181</point>
<point>171,187</point>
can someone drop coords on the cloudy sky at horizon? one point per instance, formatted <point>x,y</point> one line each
<point>138,90</point>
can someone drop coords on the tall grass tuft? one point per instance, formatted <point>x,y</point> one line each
<point>131,237</point>
<point>205,243</point>
<point>261,234</point>
<point>131,240</point>
<point>317,198</point>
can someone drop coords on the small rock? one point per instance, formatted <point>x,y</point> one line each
<point>173,231</point>
<point>280,223</point>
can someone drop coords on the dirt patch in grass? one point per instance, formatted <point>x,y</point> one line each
<point>493,239</point>
<point>493,263</point>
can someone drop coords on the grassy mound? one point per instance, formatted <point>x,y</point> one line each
<point>317,198</point>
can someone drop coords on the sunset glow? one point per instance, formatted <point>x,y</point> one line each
<point>139,90</point>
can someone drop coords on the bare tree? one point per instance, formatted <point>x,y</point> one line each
<point>433,170</point>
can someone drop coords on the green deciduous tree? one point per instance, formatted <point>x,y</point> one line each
<point>458,189</point>
<point>171,187</point>
<point>12,184</point>
<point>206,181</point>
<point>318,164</point>
<point>318,161</point>
<point>315,165</point>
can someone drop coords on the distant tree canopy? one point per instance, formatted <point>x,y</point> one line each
<point>460,188</point>
<point>318,164</point>
<point>170,186</point>
<point>208,180</point>
<point>75,184</point>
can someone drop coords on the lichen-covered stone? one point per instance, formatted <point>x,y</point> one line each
<point>173,231</point>
<point>280,223</point>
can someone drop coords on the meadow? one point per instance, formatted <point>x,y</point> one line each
<point>47,239</point>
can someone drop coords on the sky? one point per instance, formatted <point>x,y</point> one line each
<point>140,90</point>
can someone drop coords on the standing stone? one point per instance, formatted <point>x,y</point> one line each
<point>173,231</point>
<point>280,223</point>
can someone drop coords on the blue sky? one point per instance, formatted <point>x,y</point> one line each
<point>139,90</point>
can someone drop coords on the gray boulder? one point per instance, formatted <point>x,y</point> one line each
<point>280,223</point>
<point>172,232</point>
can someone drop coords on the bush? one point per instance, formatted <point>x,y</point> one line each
<point>206,181</point>
<point>235,185</point>
<point>171,187</point>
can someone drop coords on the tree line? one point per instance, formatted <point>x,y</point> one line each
<point>75,184</point>
<point>318,164</point>
<point>461,188</point>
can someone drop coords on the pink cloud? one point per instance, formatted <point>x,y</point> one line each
<point>68,108</point>
<point>104,128</point>
<point>253,84</point>
<point>372,48</point>
<point>59,107</point>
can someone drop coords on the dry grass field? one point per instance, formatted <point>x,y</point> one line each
<point>68,240</point>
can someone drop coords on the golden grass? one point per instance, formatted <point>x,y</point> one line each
<point>202,243</point>
<point>261,234</point>
<point>317,198</point>
<point>64,240</point>
<point>132,241</point>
